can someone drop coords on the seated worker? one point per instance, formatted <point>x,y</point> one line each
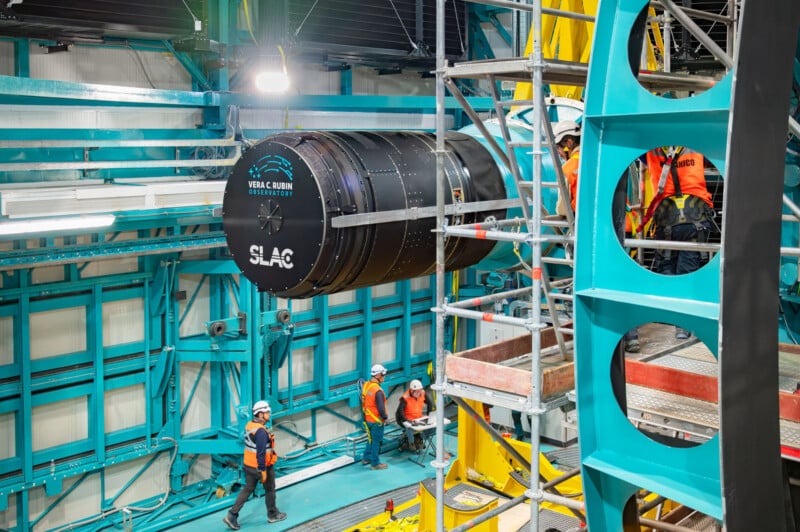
<point>412,405</point>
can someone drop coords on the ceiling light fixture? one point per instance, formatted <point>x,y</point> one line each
<point>273,78</point>
<point>272,82</point>
<point>50,225</point>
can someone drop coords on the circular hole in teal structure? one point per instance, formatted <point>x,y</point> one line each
<point>647,506</point>
<point>639,212</point>
<point>665,382</point>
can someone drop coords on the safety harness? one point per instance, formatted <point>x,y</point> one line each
<point>679,208</point>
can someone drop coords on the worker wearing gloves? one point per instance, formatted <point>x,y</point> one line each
<point>413,404</point>
<point>373,405</point>
<point>259,459</point>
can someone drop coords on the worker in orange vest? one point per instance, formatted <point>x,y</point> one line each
<point>373,405</point>
<point>259,459</point>
<point>567,138</point>
<point>413,405</point>
<point>682,209</point>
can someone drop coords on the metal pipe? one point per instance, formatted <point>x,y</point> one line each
<point>643,509</point>
<point>488,235</point>
<point>670,244</point>
<point>523,462</point>
<point>667,43</point>
<point>476,120</point>
<point>660,525</point>
<point>566,502</point>
<point>489,316</point>
<point>415,213</point>
<point>794,127</point>
<point>495,224</point>
<point>792,206</point>
<point>476,301</point>
<point>556,260</point>
<point>561,181</point>
<point>790,252</point>
<point>558,480</point>
<point>698,14</point>
<point>440,464</point>
<point>472,523</point>
<point>691,26</point>
<point>732,26</point>
<point>535,408</point>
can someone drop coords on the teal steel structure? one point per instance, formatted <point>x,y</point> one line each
<point>242,364</point>
<point>615,294</point>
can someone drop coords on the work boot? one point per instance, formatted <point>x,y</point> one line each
<point>232,520</point>
<point>280,516</point>
<point>682,334</point>
<point>379,466</point>
<point>364,462</point>
<point>632,346</point>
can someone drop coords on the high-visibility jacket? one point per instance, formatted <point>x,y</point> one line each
<point>369,405</point>
<point>251,448</point>
<point>570,170</point>
<point>691,173</point>
<point>415,406</point>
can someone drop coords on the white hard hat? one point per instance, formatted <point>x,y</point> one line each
<point>415,385</point>
<point>378,369</point>
<point>261,406</point>
<point>565,128</point>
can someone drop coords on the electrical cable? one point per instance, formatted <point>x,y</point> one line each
<point>194,18</point>
<point>303,22</point>
<point>249,23</point>
<point>127,517</point>
<point>458,27</point>
<point>141,65</point>
<point>402,25</point>
<point>714,23</point>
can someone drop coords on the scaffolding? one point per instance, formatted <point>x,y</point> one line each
<point>529,230</point>
<point>534,229</point>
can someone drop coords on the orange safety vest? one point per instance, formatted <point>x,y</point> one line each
<point>570,170</point>
<point>414,406</point>
<point>369,406</point>
<point>691,173</point>
<point>250,458</point>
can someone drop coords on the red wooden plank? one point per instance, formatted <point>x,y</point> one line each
<point>683,383</point>
<point>790,406</point>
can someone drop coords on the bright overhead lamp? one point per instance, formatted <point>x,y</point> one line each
<point>272,81</point>
<point>50,225</point>
<point>273,75</point>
